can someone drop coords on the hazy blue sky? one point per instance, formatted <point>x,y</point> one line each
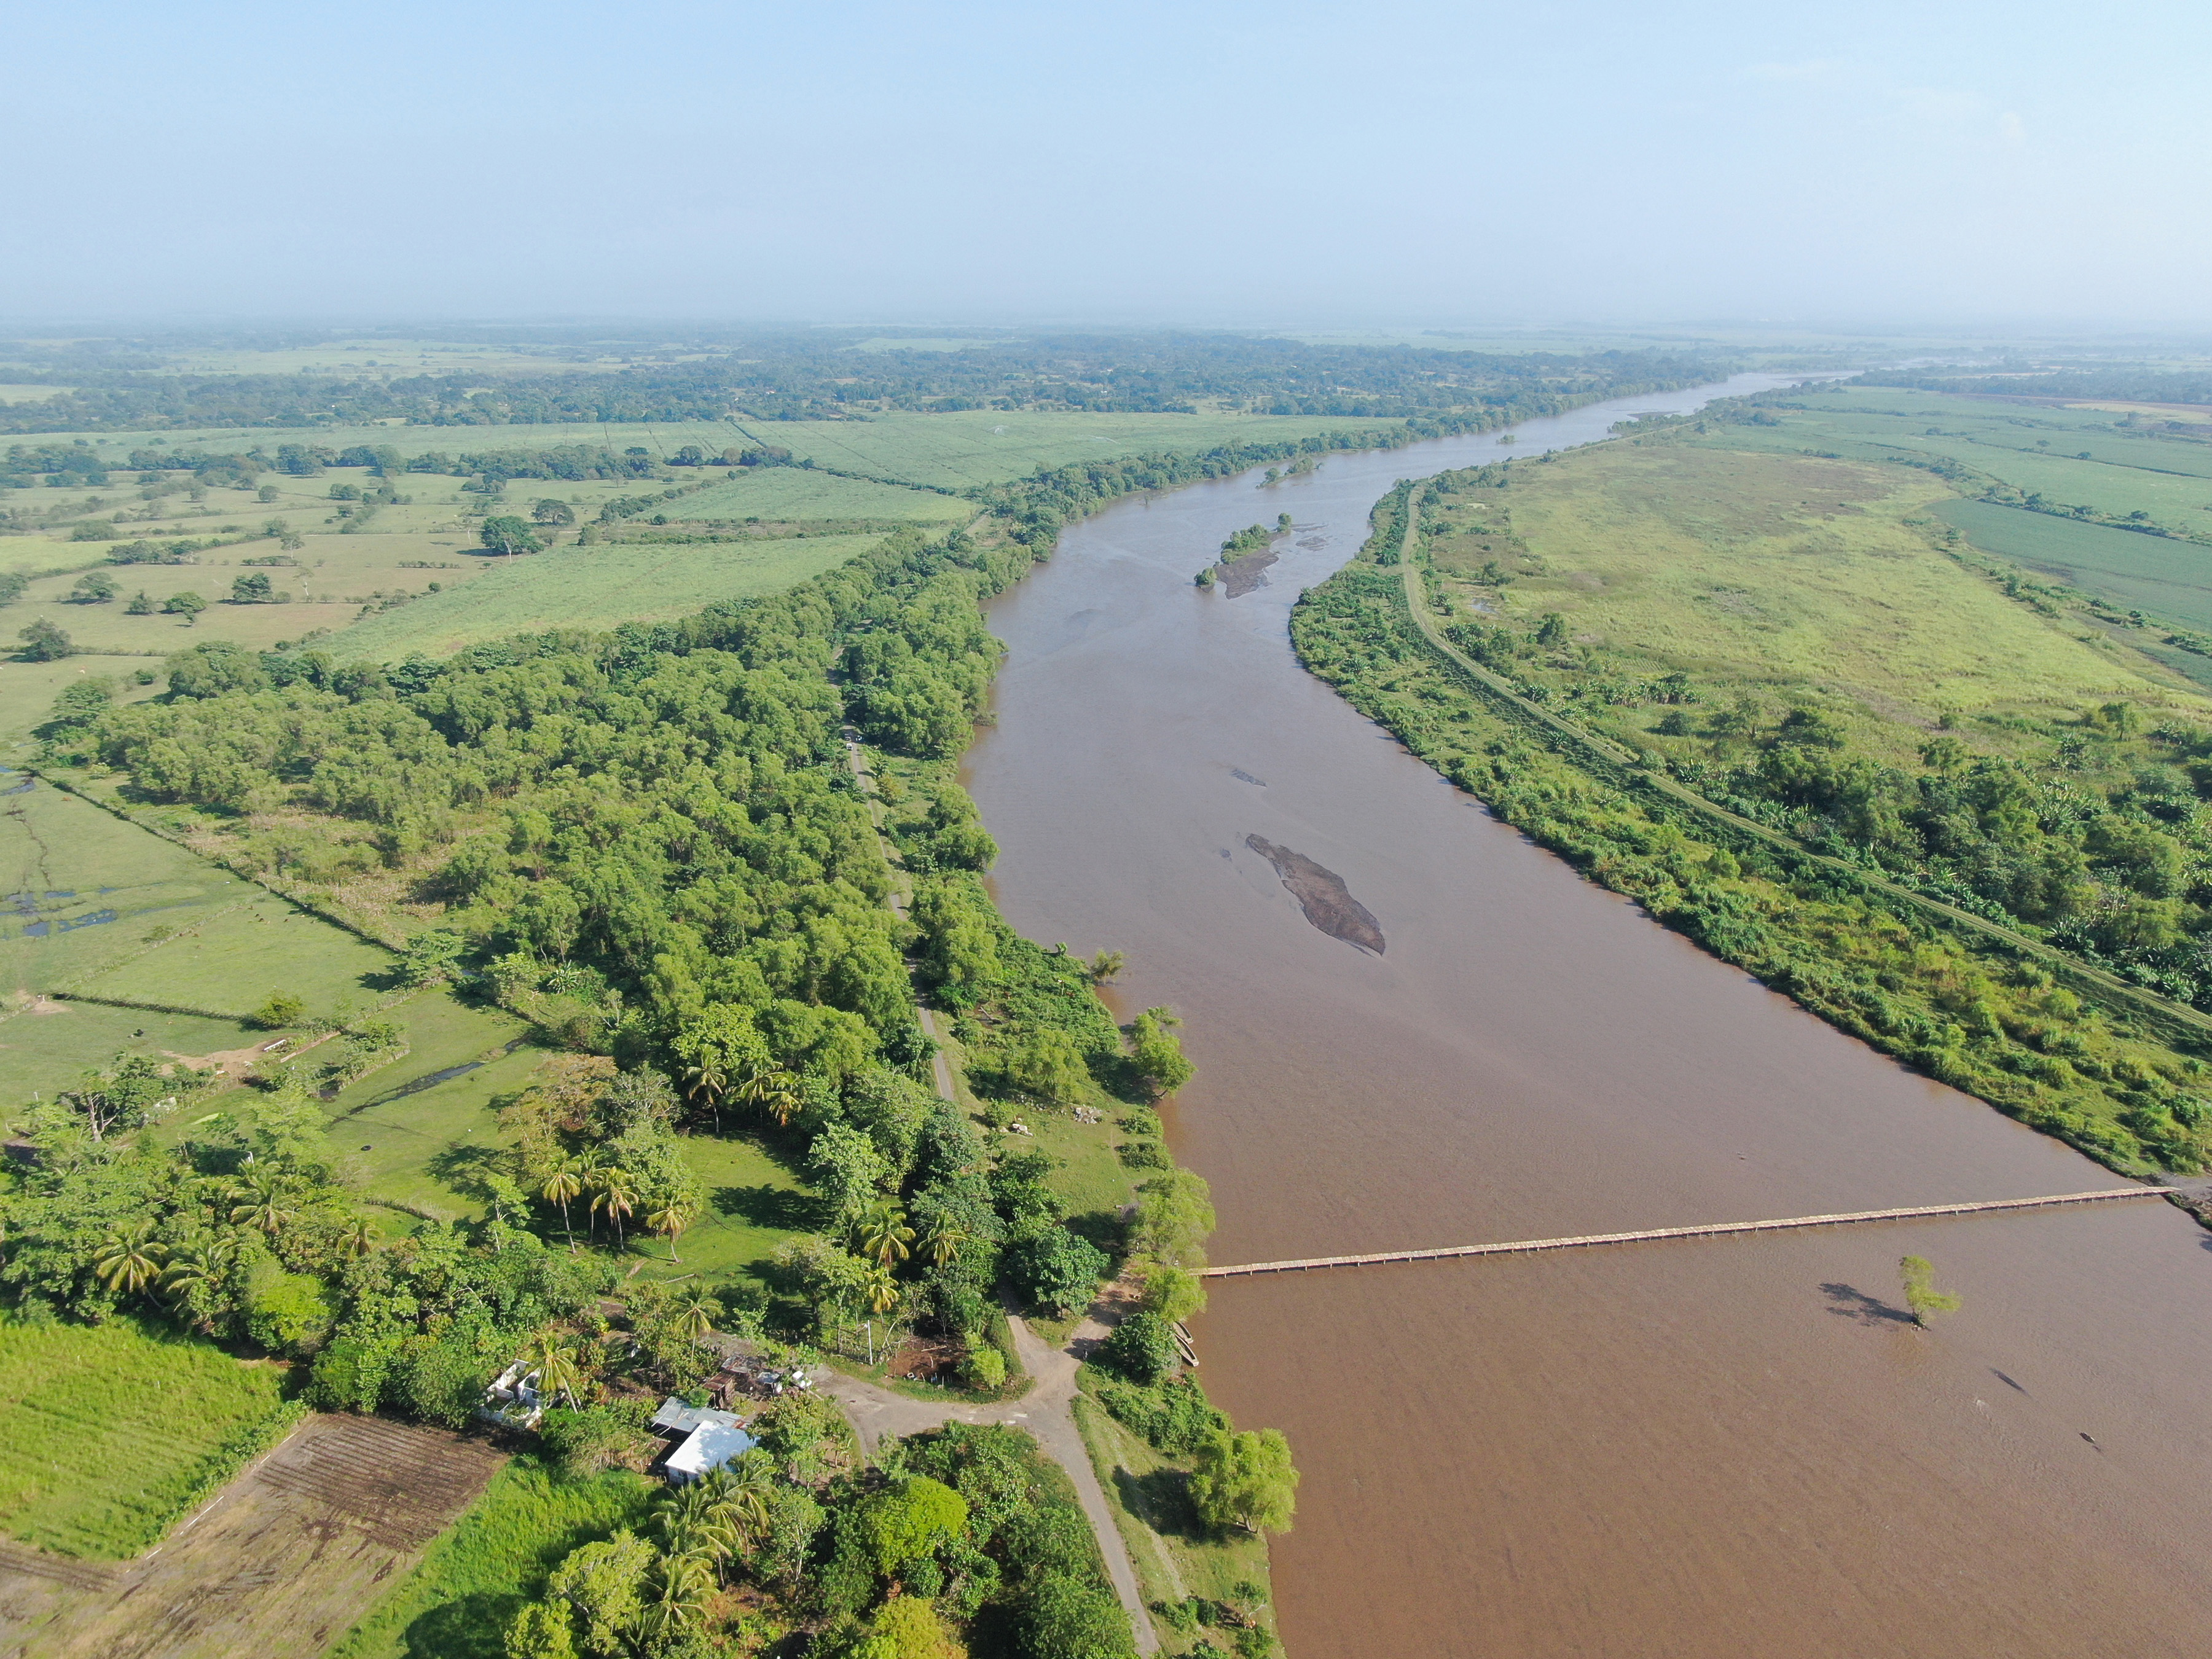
<point>1199,163</point>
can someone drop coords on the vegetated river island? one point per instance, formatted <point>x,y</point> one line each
<point>1739,1447</point>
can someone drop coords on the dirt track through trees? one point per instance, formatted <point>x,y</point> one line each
<point>281,1564</point>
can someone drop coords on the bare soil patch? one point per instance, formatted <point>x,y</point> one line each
<point>283,1561</point>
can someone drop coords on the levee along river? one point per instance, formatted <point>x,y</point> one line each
<point>1692,1448</point>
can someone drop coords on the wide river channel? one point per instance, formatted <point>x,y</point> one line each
<point>1735,1447</point>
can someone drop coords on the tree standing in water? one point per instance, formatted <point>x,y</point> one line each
<point>1921,1295</point>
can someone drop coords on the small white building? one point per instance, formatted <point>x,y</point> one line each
<point>710,1438</point>
<point>705,1450</point>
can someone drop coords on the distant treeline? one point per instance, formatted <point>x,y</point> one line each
<point>2125,386</point>
<point>790,376</point>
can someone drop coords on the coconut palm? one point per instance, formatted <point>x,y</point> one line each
<point>693,1317</point>
<point>130,1258</point>
<point>360,1238</point>
<point>563,1183</point>
<point>670,1219</point>
<point>687,1584</point>
<point>774,1091</point>
<point>880,1291</point>
<point>263,1199</point>
<point>885,1236</point>
<point>947,1238</point>
<point>197,1269</point>
<point>614,1190</point>
<point>559,1375</point>
<point>707,1081</point>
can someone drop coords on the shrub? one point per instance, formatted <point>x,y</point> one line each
<point>292,1314</point>
<point>1141,1347</point>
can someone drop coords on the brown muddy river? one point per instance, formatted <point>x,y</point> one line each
<point>1697,1449</point>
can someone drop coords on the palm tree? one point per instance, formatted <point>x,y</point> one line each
<point>881,1293</point>
<point>360,1238</point>
<point>559,1375</point>
<point>708,1079</point>
<point>687,1583</point>
<point>694,1316</point>
<point>774,1091</point>
<point>262,1200</point>
<point>564,1183</point>
<point>885,1236</point>
<point>741,1492</point>
<point>947,1238</point>
<point>673,1216</point>
<point>197,1267</point>
<point>130,1258</point>
<point>615,1191</point>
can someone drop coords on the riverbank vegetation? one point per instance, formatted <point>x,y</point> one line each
<point>1899,736</point>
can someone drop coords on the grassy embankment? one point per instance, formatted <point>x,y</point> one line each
<point>110,1436</point>
<point>459,1602</point>
<point>1680,599</point>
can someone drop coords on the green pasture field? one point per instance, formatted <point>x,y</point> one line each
<point>420,1146</point>
<point>2150,573</point>
<point>754,1203</point>
<point>2129,467</point>
<point>458,1603</point>
<point>427,1147</point>
<point>46,1047</point>
<point>69,865</point>
<point>979,447</point>
<point>31,394</point>
<point>109,1437</point>
<point>236,959</point>
<point>784,494</point>
<point>28,690</point>
<point>596,586</point>
<point>968,447</point>
<point>1762,572</point>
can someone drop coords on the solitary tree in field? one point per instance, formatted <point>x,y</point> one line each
<point>505,533</point>
<point>555,513</point>
<point>670,1219</point>
<point>187,605</point>
<point>44,642</point>
<point>615,1191</point>
<point>1920,1292</point>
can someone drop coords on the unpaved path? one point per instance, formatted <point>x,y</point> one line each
<point>1046,1411</point>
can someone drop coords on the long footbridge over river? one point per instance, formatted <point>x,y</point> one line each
<point>1710,1230</point>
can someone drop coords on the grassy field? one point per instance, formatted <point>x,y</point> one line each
<point>968,447</point>
<point>790,494</point>
<point>1755,572</point>
<point>236,959</point>
<point>89,891</point>
<point>593,588</point>
<point>105,909</point>
<point>458,1603</point>
<point>2114,462</point>
<point>1175,1557</point>
<point>2160,577</point>
<point>108,1437</point>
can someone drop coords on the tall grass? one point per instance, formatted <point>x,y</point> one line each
<point>109,1436</point>
<point>459,1602</point>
